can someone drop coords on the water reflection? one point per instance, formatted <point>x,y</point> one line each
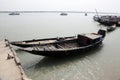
<point>52,67</point>
<point>52,61</point>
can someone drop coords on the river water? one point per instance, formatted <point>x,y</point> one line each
<point>100,64</point>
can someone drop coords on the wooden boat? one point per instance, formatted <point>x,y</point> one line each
<point>14,13</point>
<point>30,43</point>
<point>74,46</point>
<point>111,28</point>
<point>85,14</point>
<point>107,20</point>
<point>63,14</point>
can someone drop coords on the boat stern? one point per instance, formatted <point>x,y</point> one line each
<point>102,32</point>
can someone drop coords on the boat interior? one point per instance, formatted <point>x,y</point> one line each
<point>73,43</point>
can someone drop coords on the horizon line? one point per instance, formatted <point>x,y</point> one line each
<point>91,12</point>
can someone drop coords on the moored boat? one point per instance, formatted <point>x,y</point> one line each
<point>14,13</point>
<point>96,18</point>
<point>63,14</point>
<point>111,28</point>
<point>74,46</point>
<point>107,20</point>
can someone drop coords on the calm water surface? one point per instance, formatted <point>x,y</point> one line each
<point>100,64</point>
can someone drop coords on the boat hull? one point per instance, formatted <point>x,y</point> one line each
<point>65,53</point>
<point>107,20</point>
<point>68,46</point>
<point>111,29</point>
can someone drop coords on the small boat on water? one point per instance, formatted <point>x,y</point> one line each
<point>85,14</point>
<point>68,47</point>
<point>107,20</point>
<point>14,13</point>
<point>111,28</point>
<point>63,14</point>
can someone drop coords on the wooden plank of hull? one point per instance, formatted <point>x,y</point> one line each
<point>106,23</point>
<point>22,45</point>
<point>30,43</point>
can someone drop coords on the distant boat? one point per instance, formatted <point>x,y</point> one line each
<point>111,28</point>
<point>85,14</point>
<point>63,14</point>
<point>14,13</point>
<point>107,20</point>
<point>68,47</point>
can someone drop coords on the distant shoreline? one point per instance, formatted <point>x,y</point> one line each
<point>90,12</point>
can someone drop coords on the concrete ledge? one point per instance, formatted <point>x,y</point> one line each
<point>10,66</point>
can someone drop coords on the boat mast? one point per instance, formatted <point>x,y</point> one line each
<point>96,12</point>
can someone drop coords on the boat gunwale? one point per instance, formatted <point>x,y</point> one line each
<point>69,49</point>
<point>34,40</point>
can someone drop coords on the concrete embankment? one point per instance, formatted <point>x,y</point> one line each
<point>10,66</point>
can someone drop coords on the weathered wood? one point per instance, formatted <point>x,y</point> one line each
<point>10,66</point>
<point>30,43</point>
<point>72,46</point>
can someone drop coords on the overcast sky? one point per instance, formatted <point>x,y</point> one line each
<point>69,5</point>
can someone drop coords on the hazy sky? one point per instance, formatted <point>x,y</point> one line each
<point>76,5</point>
